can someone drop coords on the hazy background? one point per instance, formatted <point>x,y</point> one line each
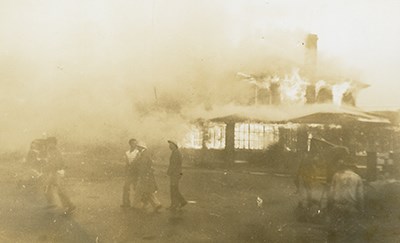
<point>94,71</point>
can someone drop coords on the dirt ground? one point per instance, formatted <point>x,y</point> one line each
<point>227,206</point>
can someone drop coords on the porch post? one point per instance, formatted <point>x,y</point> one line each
<point>230,142</point>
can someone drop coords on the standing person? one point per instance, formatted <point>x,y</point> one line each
<point>346,204</point>
<point>34,162</point>
<point>305,178</point>
<point>175,174</point>
<point>36,156</point>
<point>54,173</point>
<point>131,172</point>
<point>146,186</point>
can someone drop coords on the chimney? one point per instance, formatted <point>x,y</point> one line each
<point>311,45</point>
<point>310,66</point>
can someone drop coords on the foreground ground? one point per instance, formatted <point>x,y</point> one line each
<point>242,205</point>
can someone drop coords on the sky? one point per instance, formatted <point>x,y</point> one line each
<point>76,67</point>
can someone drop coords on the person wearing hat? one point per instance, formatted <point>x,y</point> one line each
<point>346,200</point>
<point>335,156</point>
<point>175,173</point>
<point>147,185</point>
<point>131,173</point>
<point>54,174</point>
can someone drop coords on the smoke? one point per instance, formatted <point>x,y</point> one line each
<point>105,71</point>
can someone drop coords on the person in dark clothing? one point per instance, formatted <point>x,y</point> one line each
<point>175,174</point>
<point>131,172</point>
<point>304,180</point>
<point>54,173</point>
<point>146,185</point>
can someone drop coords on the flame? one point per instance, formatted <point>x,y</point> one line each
<point>293,88</point>
<point>338,90</point>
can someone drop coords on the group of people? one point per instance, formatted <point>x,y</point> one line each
<point>47,163</point>
<point>344,190</point>
<point>140,177</point>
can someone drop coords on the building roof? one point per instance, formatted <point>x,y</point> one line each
<point>317,113</point>
<point>392,116</point>
<point>339,118</point>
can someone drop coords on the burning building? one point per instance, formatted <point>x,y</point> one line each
<point>286,112</point>
<point>249,135</point>
<point>304,85</point>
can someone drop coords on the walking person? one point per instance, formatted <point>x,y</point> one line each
<point>304,179</point>
<point>131,172</point>
<point>34,162</point>
<point>346,204</point>
<point>175,174</point>
<point>54,172</point>
<point>37,156</point>
<point>147,186</point>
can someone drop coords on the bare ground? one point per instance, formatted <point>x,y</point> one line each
<point>225,210</point>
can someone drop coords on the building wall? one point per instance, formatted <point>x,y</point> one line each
<point>293,139</point>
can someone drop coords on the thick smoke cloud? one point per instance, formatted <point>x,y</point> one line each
<point>104,71</point>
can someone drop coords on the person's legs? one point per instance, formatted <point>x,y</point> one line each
<point>334,226</point>
<point>344,226</point>
<point>133,186</point>
<point>65,201</point>
<point>179,198</point>
<point>50,191</point>
<point>139,200</point>
<point>126,191</point>
<point>303,193</point>
<point>173,192</point>
<point>134,180</point>
<point>145,201</point>
<point>50,196</point>
<point>61,192</point>
<point>308,189</point>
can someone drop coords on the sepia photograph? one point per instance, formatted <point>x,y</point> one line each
<point>180,121</point>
